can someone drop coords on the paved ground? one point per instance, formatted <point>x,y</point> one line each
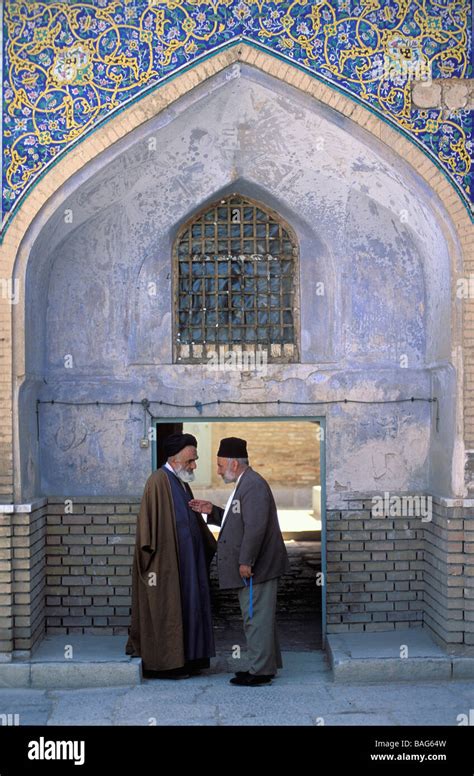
<point>303,694</point>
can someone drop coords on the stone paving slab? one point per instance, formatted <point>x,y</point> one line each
<point>303,694</point>
<point>368,659</point>
<point>74,661</point>
<point>82,648</point>
<point>401,655</point>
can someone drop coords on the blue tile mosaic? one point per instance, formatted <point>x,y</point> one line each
<point>68,66</point>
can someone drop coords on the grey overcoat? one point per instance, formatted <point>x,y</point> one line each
<point>250,535</point>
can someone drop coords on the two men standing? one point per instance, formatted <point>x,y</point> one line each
<point>177,634</point>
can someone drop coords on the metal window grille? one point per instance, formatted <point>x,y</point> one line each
<point>235,283</point>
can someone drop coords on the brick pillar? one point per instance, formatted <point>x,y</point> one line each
<point>444,573</point>
<point>6,590</point>
<point>449,574</point>
<point>29,581</point>
<point>468,545</point>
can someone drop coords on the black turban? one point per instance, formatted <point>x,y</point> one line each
<point>176,442</point>
<point>232,447</point>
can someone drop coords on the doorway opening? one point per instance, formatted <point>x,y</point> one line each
<point>290,454</point>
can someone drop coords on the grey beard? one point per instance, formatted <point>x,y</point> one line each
<point>185,476</point>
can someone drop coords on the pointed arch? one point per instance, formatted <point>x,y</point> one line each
<point>71,170</point>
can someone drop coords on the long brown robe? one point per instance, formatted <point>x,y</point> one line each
<point>156,632</point>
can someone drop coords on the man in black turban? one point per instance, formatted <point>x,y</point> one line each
<point>251,556</point>
<point>171,628</point>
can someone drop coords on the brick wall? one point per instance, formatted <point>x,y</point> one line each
<point>89,559</point>
<point>6,587</point>
<point>283,453</point>
<point>398,572</point>
<point>70,572</point>
<point>298,592</point>
<point>374,570</point>
<point>22,578</point>
<point>29,559</point>
<point>449,574</point>
<point>88,570</point>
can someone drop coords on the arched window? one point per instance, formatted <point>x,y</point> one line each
<point>235,283</point>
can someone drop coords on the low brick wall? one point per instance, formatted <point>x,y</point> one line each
<point>22,578</point>
<point>68,570</point>
<point>88,568</point>
<point>448,574</point>
<point>397,572</point>
<point>6,577</point>
<point>374,570</point>
<point>29,583</point>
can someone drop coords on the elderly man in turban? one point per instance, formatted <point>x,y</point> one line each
<point>251,556</point>
<point>171,627</point>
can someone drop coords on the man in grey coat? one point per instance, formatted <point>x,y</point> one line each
<point>250,548</point>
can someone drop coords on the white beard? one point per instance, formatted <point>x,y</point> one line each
<point>228,477</point>
<point>185,476</point>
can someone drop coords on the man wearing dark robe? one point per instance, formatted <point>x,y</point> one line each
<point>171,627</point>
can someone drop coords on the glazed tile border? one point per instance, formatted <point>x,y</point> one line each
<point>69,66</point>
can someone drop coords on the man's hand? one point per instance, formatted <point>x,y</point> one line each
<point>198,505</point>
<point>245,571</point>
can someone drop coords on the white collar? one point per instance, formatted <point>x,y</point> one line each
<point>238,478</point>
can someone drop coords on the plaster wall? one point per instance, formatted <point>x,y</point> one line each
<point>366,232</point>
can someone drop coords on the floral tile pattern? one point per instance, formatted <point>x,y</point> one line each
<point>68,66</point>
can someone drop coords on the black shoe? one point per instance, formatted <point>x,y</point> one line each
<point>252,680</point>
<point>176,673</point>
<point>196,667</point>
<point>242,673</point>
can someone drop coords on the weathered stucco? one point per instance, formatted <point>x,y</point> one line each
<point>366,230</point>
